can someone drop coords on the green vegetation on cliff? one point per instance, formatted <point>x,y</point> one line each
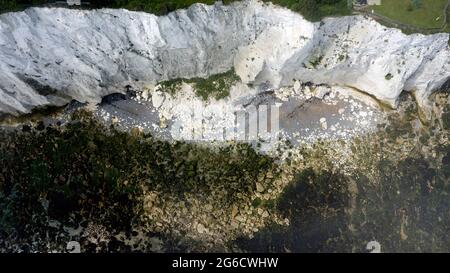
<point>216,86</point>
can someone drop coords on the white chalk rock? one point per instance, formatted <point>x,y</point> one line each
<point>321,91</point>
<point>297,86</point>
<point>323,123</point>
<point>158,99</point>
<point>49,56</point>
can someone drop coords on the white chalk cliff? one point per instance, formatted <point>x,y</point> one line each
<point>49,56</point>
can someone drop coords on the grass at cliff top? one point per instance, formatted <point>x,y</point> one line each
<point>425,16</point>
<point>311,9</point>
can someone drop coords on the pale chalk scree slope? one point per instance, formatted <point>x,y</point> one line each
<point>49,56</point>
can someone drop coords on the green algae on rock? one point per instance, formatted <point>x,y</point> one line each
<point>83,172</point>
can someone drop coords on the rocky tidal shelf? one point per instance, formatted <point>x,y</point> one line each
<point>390,185</point>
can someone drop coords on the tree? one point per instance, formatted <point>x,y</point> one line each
<point>309,9</point>
<point>7,5</point>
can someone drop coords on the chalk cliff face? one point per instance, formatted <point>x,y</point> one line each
<point>49,56</point>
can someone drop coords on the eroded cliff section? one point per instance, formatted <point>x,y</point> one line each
<point>49,56</point>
